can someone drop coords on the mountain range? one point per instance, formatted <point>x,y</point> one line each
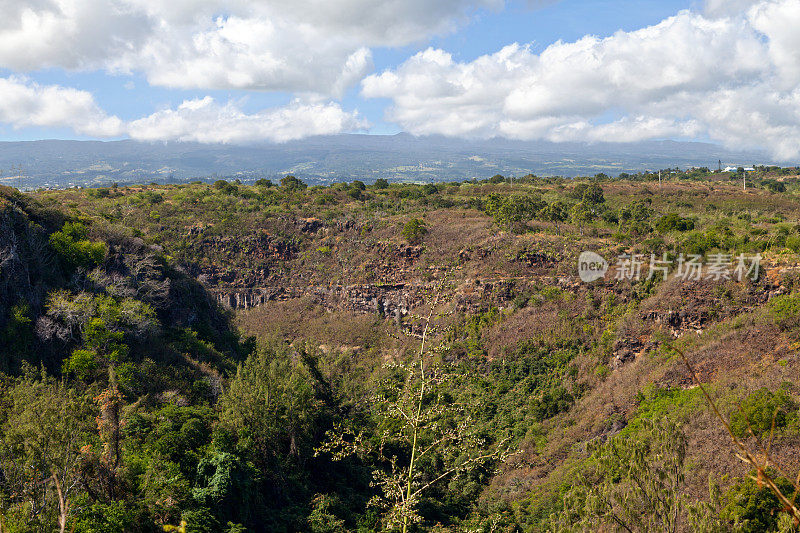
<point>346,157</point>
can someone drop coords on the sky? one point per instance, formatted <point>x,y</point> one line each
<point>245,71</point>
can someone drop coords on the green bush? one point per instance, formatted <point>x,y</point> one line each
<point>753,507</point>
<point>760,408</point>
<point>17,337</point>
<point>414,231</point>
<point>514,209</point>
<point>674,222</point>
<point>225,187</point>
<point>75,249</point>
<point>699,243</point>
<point>785,310</point>
<point>552,401</point>
<point>430,188</point>
<point>82,363</point>
<point>774,185</point>
<point>793,242</point>
<point>591,193</point>
<point>292,183</point>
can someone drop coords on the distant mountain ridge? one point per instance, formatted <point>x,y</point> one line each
<point>345,157</point>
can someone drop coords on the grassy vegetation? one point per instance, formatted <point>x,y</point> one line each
<point>131,399</point>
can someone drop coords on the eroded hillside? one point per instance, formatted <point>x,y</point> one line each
<point>543,366</point>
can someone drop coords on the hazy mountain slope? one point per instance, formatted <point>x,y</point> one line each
<point>346,157</point>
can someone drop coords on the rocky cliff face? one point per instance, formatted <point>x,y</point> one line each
<point>283,268</point>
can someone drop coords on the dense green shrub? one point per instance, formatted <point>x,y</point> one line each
<point>430,188</point>
<point>774,185</point>
<point>75,249</point>
<point>17,336</point>
<point>674,222</point>
<point>227,485</point>
<point>225,187</point>
<point>414,231</point>
<point>752,507</point>
<point>552,401</point>
<point>785,310</point>
<point>513,209</point>
<point>591,193</point>
<point>699,242</point>
<point>292,183</point>
<point>759,410</point>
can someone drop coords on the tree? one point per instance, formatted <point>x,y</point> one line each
<point>497,178</point>
<point>509,211</point>
<point>45,426</point>
<point>75,249</point>
<point>381,183</point>
<point>273,401</point>
<point>593,195</point>
<point>674,222</point>
<point>555,212</point>
<point>414,230</point>
<point>227,485</point>
<point>430,188</point>
<point>635,217</point>
<point>424,437</point>
<point>752,507</point>
<point>225,187</point>
<point>292,183</point>
<point>581,214</point>
<point>635,485</point>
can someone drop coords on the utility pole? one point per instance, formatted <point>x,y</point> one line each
<point>744,181</point>
<point>659,178</point>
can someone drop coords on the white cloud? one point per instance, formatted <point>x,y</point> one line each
<point>778,22</point>
<point>72,34</point>
<point>26,104</point>
<point>723,8</point>
<point>283,45</point>
<point>205,121</point>
<point>735,79</point>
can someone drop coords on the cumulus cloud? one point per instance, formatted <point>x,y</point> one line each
<point>317,46</point>
<point>735,79</point>
<point>26,104</point>
<point>722,8</point>
<point>203,120</point>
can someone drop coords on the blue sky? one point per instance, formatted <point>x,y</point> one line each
<point>244,71</point>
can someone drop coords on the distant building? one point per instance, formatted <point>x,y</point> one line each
<point>735,169</point>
